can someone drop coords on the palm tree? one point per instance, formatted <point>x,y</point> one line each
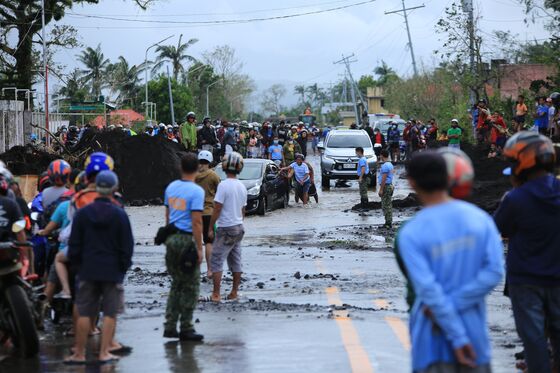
<point>300,90</point>
<point>176,54</point>
<point>75,89</point>
<point>95,64</point>
<point>385,73</point>
<point>124,79</point>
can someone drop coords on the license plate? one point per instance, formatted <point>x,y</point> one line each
<point>349,166</point>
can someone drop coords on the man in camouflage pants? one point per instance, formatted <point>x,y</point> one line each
<point>363,176</point>
<point>184,201</point>
<point>385,181</point>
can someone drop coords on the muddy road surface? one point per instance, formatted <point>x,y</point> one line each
<point>321,293</point>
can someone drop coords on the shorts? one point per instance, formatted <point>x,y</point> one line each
<point>519,118</point>
<point>93,294</point>
<point>302,189</point>
<point>205,226</point>
<point>227,246</point>
<point>394,145</point>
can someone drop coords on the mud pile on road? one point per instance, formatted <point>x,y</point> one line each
<point>489,187</point>
<point>27,160</point>
<point>145,165</point>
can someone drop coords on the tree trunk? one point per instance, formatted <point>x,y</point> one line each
<point>24,58</point>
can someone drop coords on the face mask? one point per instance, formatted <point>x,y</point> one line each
<point>275,142</point>
<point>291,142</point>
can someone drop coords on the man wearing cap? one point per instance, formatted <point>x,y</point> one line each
<point>188,132</point>
<point>454,134</point>
<point>101,238</point>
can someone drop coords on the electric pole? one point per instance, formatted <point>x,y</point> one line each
<point>468,7</point>
<point>45,68</point>
<point>404,11</point>
<point>346,61</point>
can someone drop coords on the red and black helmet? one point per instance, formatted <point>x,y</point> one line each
<point>528,150</point>
<point>460,172</point>
<point>59,172</point>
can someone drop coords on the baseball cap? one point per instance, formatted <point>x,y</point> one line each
<point>106,181</point>
<point>454,120</point>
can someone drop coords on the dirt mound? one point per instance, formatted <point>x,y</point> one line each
<point>409,201</point>
<point>145,164</point>
<point>27,160</point>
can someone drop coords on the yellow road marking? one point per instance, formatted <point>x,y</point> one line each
<point>381,303</point>
<point>359,359</point>
<point>401,331</point>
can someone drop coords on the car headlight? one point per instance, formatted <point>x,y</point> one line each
<point>369,156</point>
<point>328,157</point>
<point>254,191</point>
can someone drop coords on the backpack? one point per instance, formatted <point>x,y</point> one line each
<point>50,209</point>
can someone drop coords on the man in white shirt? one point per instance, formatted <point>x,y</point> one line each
<point>229,211</point>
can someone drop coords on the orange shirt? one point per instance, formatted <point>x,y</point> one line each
<point>520,110</point>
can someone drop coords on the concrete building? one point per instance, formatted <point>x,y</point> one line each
<point>516,78</point>
<point>376,100</point>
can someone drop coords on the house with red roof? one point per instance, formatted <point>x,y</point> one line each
<point>121,116</point>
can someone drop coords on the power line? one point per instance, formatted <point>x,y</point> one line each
<point>225,14</point>
<point>230,21</point>
<point>404,10</point>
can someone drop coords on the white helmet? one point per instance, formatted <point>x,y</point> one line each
<point>205,155</point>
<point>233,162</point>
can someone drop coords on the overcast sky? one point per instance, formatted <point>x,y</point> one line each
<point>298,50</point>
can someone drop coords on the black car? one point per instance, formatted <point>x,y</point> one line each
<point>267,189</point>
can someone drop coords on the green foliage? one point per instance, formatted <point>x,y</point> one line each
<point>365,82</point>
<point>95,63</point>
<point>159,93</point>
<point>177,55</point>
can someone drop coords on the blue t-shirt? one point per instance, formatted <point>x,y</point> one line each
<point>275,152</point>
<point>182,198</point>
<point>542,117</point>
<point>300,171</point>
<point>363,163</point>
<point>451,270</point>
<point>386,169</point>
<point>60,217</point>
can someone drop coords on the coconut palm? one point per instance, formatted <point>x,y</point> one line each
<point>300,90</point>
<point>385,73</point>
<point>95,64</point>
<point>124,79</point>
<point>75,89</point>
<point>177,55</point>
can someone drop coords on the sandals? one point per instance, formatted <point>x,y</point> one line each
<point>71,361</point>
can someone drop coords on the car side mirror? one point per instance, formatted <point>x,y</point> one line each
<point>271,177</point>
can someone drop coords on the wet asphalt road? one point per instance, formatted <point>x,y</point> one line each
<point>321,293</point>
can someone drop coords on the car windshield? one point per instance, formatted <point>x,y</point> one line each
<point>348,141</point>
<point>384,126</point>
<point>251,171</point>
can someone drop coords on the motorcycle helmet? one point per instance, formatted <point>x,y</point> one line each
<point>59,172</point>
<point>205,155</point>
<point>233,162</point>
<point>81,182</point>
<point>528,150</point>
<point>460,172</point>
<point>44,182</point>
<point>97,162</point>
<point>191,115</point>
<point>4,185</point>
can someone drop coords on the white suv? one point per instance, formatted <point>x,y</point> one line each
<point>338,157</point>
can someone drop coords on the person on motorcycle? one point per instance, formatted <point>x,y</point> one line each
<point>230,141</point>
<point>393,138</point>
<point>9,214</point>
<point>101,238</point>
<point>188,132</point>
<point>73,134</point>
<point>59,172</point>
<point>149,130</point>
<point>206,135</point>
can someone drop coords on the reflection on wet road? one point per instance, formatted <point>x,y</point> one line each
<point>321,293</point>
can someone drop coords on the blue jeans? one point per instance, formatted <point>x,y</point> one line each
<point>536,311</point>
<point>456,146</point>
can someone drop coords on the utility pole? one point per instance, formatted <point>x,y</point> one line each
<point>404,11</point>
<point>346,61</point>
<point>170,97</point>
<point>45,68</point>
<point>468,7</point>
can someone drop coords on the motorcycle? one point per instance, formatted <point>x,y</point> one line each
<point>18,299</point>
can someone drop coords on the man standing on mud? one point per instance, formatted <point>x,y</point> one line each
<point>533,258</point>
<point>229,212</point>
<point>386,188</point>
<point>363,176</point>
<point>185,203</point>
<point>451,268</point>
<point>208,180</point>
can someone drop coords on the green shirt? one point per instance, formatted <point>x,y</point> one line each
<point>188,135</point>
<point>454,131</point>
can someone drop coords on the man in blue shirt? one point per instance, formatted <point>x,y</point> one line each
<point>529,215</point>
<point>275,152</point>
<point>184,201</point>
<point>363,176</point>
<point>541,117</point>
<point>301,173</point>
<point>453,255</point>
<point>385,181</point>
